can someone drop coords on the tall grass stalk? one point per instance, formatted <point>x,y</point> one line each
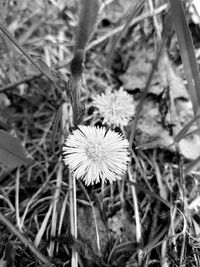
<point>56,196</point>
<point>136,209</point>
<point>73,216</point>
<point>18,220</point>
<point>43,226</point>
<point>187,53</point>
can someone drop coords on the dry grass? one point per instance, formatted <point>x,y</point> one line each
<point>151,217</point>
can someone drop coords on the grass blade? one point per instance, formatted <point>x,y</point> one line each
<point>192,166</point>
<point>187,53</point>
<point>184,130</point>
<point>55,128</point>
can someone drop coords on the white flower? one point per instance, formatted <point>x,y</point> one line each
<point>116,107</point>
<point>94,153</point>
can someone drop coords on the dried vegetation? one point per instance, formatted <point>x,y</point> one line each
<point>151,216</point>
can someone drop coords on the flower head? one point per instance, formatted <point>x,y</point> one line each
<point>116,107</point>
<point>94,153</point>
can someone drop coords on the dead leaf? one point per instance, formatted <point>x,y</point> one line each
<point>87,231</point>
<point>116,10</point>
<point>3,263</point>
<point>137,73</point>
<point>121,226</point>
<point>12,153</point>
<point>151,133</point>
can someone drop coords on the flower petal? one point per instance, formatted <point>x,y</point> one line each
<point>92,153</point>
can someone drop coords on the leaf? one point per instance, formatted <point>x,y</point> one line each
<point>3,263</point>
<point>196,131</point>
<point>187,53</point>
<point>192,166</point>
<point>45,68</point>
<point>184,130</point>
<point>150,132</point>
<point>12,153</point>
<point>145,91</point>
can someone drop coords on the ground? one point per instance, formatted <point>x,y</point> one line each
<point>149,217</point>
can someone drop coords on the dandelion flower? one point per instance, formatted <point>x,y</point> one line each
<point>116,107</point>
<point>95,154</point>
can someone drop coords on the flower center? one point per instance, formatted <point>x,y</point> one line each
<point>95,152</point>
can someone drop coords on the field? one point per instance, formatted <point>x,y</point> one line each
<point>99,133</point>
